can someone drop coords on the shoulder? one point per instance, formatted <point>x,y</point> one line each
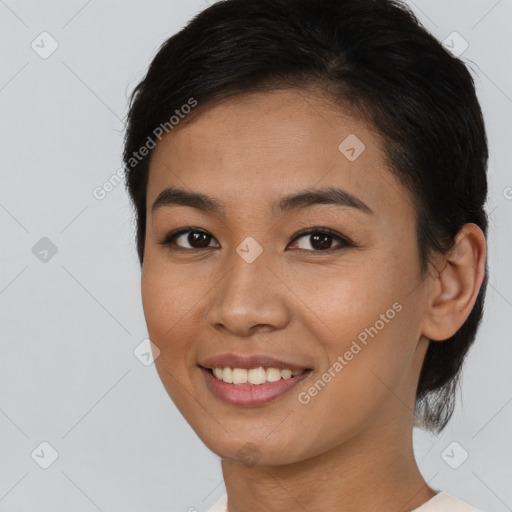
<point>445,502</point>
<point>220,505</point>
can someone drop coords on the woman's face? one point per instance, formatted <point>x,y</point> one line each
<point>245,287</point>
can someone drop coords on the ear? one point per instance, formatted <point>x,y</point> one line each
<point>454,288</point>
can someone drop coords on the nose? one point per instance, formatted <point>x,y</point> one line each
<point>251,298</point>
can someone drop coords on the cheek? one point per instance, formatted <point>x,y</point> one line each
<point>365,367</point>
<point>169,302</point>
<point>367,320</point>
<point>367,349</point>
<point>345,300</point>
<point>168,309</point>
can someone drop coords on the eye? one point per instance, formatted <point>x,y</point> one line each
<point>195,237</point>
<point>320,239</point>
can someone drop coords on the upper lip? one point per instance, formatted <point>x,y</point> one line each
<point>248,362</point>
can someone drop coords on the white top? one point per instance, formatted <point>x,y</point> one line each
<point>441,502</point>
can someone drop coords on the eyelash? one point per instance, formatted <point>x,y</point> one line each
<point>168,239</point>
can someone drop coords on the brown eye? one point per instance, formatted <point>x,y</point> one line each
<point>320,240</point>
<point>195,238</point>
<point>316,240</point>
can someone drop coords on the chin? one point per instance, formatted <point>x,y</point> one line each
<point>255,450</point>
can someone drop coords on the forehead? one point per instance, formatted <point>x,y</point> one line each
<point>263,145</point>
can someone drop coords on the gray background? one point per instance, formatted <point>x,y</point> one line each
<point>70,321</point>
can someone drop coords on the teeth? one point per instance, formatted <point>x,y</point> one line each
<point>273,374</point>
<point>286,374</point>
<point>239,375</point>
<point>257,375</point>
<point>253,376</point>
<point>227,375</point>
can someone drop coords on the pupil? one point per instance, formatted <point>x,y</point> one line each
<point>326,241</point>
<point>201,238</point>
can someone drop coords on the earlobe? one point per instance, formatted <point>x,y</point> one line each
<point>456,285</point>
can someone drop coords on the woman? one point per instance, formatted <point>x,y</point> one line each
<point>309,180</point>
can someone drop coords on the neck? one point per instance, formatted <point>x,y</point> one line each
<point>372,471</point>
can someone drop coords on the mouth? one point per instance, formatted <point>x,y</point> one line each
<point>254,385</point>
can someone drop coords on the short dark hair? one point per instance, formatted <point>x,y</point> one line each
<point>372,57</point>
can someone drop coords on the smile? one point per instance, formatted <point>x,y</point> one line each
<point>250,387</point>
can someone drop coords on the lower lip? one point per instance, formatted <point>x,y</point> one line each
<point>250,394</point>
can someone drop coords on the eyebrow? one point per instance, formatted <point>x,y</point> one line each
<point>297,201</point>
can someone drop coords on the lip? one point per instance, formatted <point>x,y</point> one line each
<point>248,362</point>
<point>251,394</point>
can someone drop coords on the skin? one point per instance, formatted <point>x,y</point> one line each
<point>350,448</point>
